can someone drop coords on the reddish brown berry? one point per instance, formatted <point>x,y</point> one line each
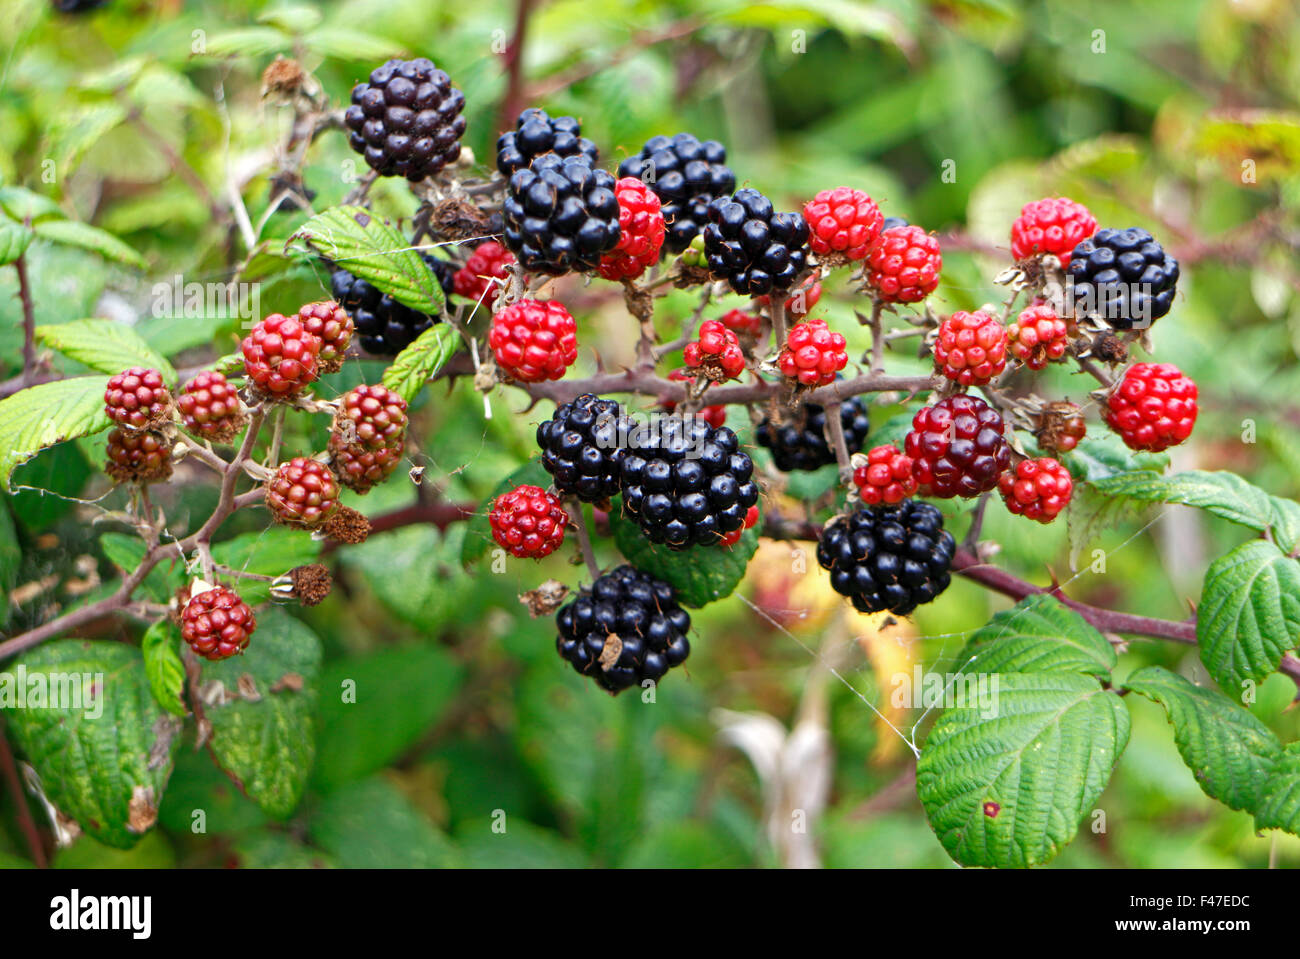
<point>330,324</point>
<point>139,456</point>
<point>138,399</point>
<point>280,356</point>
<point>1036,489</point>
<point>528,522</point>
<point>210,409</point>
<point>1061,427</point>
<point>958,447</point>
<point>217,624</point>
<point>369,436</point>
<point>302,493</point>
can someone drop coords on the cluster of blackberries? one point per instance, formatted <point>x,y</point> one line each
<point>582,447</point>
<point>1123,276</point>
<point>406,121</point>
<point>888,557</point>
<point>535,133</point>
<point>687,175</point>
<point>561,214</point>
<point>751,246</point>
<point>385,326</point>
<point>686,482</point>
<point>625,629</point>
<point>800,443</point>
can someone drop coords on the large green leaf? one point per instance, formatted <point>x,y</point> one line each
<point>1009,790</point>
<point>163,666</point>
<point>1278,806</point>
<point>700,574</point>
<point>103,759</point>
<point>365,246</point>
<point>1228,750</point>
<point>1249,614</point>
<point>86,237</point>
<point>420,360</point>
<point>41,416</point>
<point>1038,634</point>
<point>1224,494</point>
<point>263,712</point>
<point>375,707</point>
<point>104,346</point>
<point>371,825</point>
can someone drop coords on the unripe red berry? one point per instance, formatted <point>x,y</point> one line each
<point>1061,427</point>
<point>842,223</point>
<point>971,348</point>
<point>813,353</point>
<point>741,323</point>
<point>474,281</point>
<point>369,436</point>
<point>138,399</point>
<point>140,456</point>
<point>800,302</point>
<point>210,409</point>
<point>1153,407</point>
<point>330,324</point>
<point>904,264</point>
<point>1037,489</point>
<point>528,522</point>
<point>280,356</point>
<point>884,477</point>
<point>715,352</point>
<point>1038,335</point>
<point>217,624</point>
<point>1054,225</point>
<point>302,493</point>
<point>641,232</point>
<point>732,538</point>
<point>534,340</point>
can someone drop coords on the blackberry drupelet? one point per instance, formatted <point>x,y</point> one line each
<point>888,557</point>
<point>687,174</point>
<point>687,483</point>
<point>406,121</point>
<point>581,447</point>
<point>561,215</point>
<point>1123,276</point>
<point>384,326</point>
<point>623,630</point>
<point>535,133</point>
<point>801,444</point>
<point>751,246</point>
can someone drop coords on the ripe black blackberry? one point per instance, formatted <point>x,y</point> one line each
<point>800,443</point>
<point>535,133</point>
<point>686,482</point>
<point>384,326</point>
<point>687,175</point>
<point>1123,276</point>
<point>888,557</point>
<point>751,246</point>
<point>582,447</point>
<point>406,121</point>
<point>561,215</point>
<point>624,629</point>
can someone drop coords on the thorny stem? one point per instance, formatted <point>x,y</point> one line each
<point>877,334</point>
<point>29,320</point>
<point>835,426</point>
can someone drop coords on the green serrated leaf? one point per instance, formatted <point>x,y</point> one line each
<point>24,205</point>
<point>1249,614</point>
<point>87,237</point>
<point>1228,750</point>
<point>104,346</point>
<point>163,666</point>
<point>1009,790</point>
<point>15,238</point>
<point>700,574</point>
<point>421,360</point>
<point>478,531</point>
<point>1038,634</point>
<point>1278,805</point>
<point>263,731</point>
<point>365,246</point>
<point>39,417</point>
<point>103,760</point>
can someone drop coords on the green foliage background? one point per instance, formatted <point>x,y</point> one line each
<point>1145,111</point>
